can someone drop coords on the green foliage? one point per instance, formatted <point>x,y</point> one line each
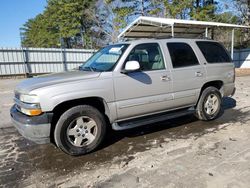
<point>118,13</point>
<point>205,13</point>
<point>204,10</point>
<point>90,24</point>
<point>243,7</point>
<point>226,17</point>
<point>120,20</point>
<point>37,33</point>
<point>177,9</point>
<point>63,21</point>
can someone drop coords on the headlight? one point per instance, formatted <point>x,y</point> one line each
<point>29,98</point>
<point>28,104</point>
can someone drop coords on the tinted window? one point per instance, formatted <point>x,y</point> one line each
<point>213,52</point>
<point>148,55</point>
<point>182,55</point>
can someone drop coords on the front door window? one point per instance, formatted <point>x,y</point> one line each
<point>148,55</point>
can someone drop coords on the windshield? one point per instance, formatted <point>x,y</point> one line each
<point>105,59</point>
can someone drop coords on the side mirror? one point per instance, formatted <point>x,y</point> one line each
<point>131,66</point>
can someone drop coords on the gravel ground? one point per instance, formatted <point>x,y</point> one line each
<point>6,100</point>
<point>182,152</point>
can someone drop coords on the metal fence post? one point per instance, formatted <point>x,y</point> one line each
<point>64,59</point>
<point>26,62</point>
<point>239,60</point>
<point>232,45</point>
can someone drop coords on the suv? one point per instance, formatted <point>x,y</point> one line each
<point>124,85</point>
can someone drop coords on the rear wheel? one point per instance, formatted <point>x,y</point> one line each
<point>80,130</point>
<point>209,105</point>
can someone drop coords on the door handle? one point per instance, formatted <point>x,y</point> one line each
<point>165,78</point>
<point>198,74</point>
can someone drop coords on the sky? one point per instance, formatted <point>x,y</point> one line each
<point>13,14</point>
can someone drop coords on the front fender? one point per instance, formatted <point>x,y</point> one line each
<point>51,96</point>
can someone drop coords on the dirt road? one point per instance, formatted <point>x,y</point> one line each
<point>183,152</point>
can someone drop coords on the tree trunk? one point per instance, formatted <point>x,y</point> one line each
<point>142,7</point>
<point>248,13</point>
<point>197,2</point>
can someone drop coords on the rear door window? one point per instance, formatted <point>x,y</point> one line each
<point>213,52</point>
<point>182,55</point>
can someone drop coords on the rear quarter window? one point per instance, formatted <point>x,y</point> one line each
<point>213,52</point>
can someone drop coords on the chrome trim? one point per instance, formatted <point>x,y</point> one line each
<point>168,98</point>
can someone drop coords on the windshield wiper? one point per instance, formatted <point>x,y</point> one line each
<point>92,69</point>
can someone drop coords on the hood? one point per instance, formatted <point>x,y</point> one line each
<point>51,79</point>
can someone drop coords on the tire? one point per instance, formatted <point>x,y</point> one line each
<point>80,130</point>
<point>209,104</point>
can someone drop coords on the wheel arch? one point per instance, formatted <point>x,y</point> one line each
<point>97,102</point>
<point>216,83</point>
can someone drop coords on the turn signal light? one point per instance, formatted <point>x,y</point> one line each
<point>35,112</point>
<point>31,112</point>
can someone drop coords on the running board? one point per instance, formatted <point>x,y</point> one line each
<point>137,122</point>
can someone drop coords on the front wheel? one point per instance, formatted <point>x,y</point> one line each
<point>209,105</point>
<point>80,130</point>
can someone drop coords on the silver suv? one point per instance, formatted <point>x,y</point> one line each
<point>124,85</point>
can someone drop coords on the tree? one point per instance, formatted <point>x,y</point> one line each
<point>38,33</point>
<point>243,7</point>
<point>204,10</point>
<point>177,9</point>
<point>113,15</point>
<point>63,22</point>
<point>92,24</point>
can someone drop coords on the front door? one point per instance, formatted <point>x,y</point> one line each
<point>146,91</point>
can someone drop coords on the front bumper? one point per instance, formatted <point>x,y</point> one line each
<point>35,128</point>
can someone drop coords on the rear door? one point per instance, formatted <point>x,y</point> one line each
<point>188,74</point>
<point>219,65</point>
